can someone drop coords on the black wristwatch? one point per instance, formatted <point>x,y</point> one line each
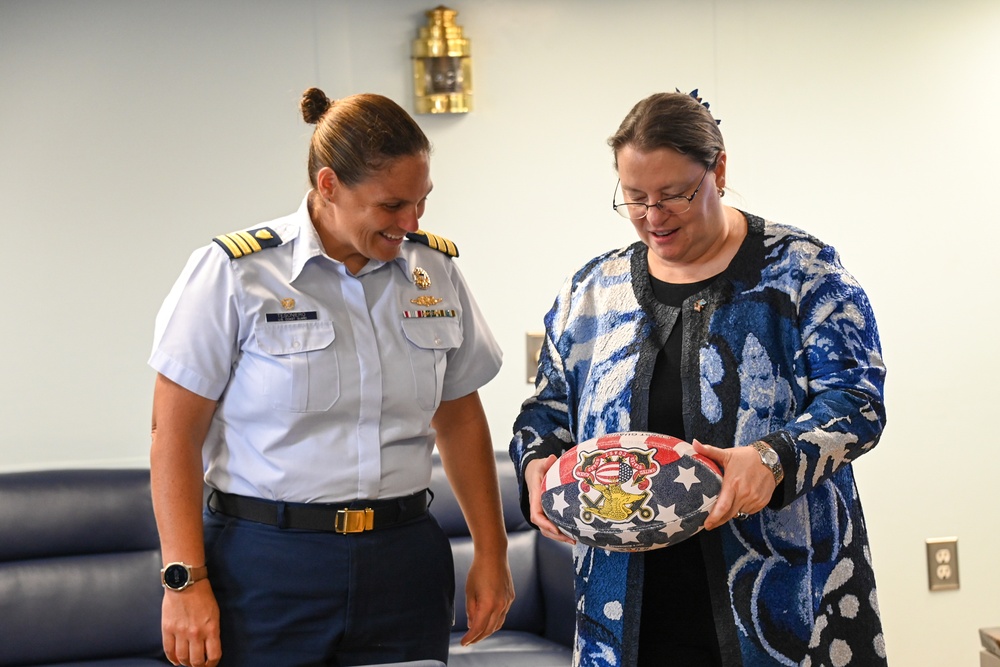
<point>769,457</point>
<point>178,576</point>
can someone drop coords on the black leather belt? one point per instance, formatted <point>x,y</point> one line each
<point>355,517</point>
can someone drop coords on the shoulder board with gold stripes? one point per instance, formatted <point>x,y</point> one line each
<point>240,244</point>
<point>439,243</point>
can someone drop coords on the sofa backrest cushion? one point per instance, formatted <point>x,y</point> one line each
<point>526,613</point>
<point>449,514</point>
<point>79,563</point>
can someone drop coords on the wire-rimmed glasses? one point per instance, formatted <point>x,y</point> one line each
<point>674,204</point>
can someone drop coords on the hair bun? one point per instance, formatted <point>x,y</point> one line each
<point>314,104</point>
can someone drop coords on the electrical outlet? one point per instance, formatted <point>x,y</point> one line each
<point>942,563</point>
<point>533,350</point>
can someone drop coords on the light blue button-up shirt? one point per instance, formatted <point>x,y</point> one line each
<point>326,382</point>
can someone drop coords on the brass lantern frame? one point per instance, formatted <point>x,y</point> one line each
<point>442,65</point>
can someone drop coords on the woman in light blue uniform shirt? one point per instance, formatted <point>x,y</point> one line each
<point>306,368</point>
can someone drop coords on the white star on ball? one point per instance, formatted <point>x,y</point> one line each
<point>671,522</point>
<point>687,477</point>
<point>559,502</point>
<point>629,536</point>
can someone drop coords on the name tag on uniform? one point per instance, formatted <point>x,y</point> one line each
<point>291,317</point>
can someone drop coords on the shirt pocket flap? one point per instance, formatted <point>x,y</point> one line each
<point>294,337</point>
<point>433,333</point>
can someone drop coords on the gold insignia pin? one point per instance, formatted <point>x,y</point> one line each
<point>421,279</point>
<point>263,234</point>
<point>426,301</point>
<point>288,304</point>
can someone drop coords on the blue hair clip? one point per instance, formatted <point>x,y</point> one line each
<point>694,94</point>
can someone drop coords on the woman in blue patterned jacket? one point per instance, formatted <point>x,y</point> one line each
<point>716,327</point>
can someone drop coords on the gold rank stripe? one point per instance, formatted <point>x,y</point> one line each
<point>250,241</point>
<point>239,244</point>
<point>227,243</point>
<point>244,247</point>
<point>439,243</point>
<point>442,244</point>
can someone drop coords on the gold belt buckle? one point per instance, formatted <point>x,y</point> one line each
<point>354,521</point>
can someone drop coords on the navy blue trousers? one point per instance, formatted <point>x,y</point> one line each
<point>315,599</point>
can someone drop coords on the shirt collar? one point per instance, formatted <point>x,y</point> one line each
<point>307,245</point>
<point>402,261</point>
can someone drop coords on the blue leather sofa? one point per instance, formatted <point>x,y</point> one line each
<point>79,575</point>
<point>79,569</point>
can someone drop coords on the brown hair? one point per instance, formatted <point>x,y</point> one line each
<point>357,135</point>
<point>670,120</point>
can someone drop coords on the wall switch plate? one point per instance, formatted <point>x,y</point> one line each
<point>533,349</point>
<point>942,563</point>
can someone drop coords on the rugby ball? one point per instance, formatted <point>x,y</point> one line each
<point>630,491</point>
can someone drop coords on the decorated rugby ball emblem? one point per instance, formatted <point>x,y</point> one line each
<point>614,483</point>
<point>631,491</point>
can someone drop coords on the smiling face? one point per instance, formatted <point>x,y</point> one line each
<point>675,241</point>
<point>369,220</point>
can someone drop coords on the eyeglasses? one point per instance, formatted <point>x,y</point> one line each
<point>674,204</point>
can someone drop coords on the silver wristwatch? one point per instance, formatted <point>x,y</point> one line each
<point>769,457</point>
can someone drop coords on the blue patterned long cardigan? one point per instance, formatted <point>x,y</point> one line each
<point>783,348</point>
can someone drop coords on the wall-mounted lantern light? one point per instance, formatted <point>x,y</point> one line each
<point>442,65</point>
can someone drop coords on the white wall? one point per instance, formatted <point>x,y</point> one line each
<point>132,132</point>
